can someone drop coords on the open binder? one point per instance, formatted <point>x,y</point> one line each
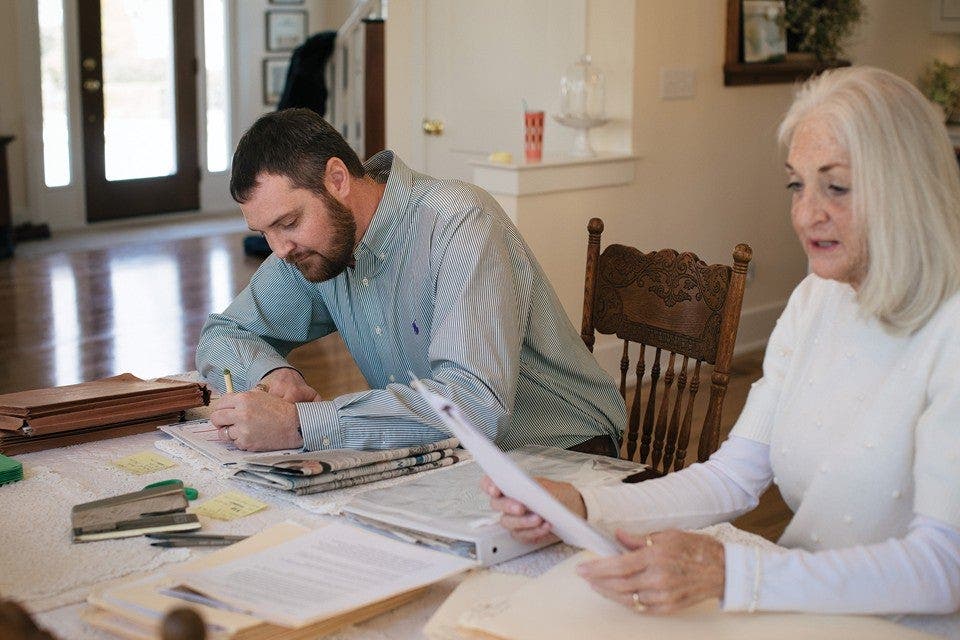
<point>448,511</point>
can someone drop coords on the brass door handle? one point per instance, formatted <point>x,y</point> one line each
<point>91,85</point>
<point>433,127</point>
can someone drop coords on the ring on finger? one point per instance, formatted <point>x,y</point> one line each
<point>263,386</point>
<point>637,604</point>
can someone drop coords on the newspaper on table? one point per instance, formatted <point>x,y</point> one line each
<point>308,472</point>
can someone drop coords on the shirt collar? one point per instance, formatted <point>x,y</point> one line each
<point>386,167</point>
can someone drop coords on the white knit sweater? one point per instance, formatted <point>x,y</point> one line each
<point>860,429</point>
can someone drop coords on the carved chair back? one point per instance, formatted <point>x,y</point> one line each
<point>665,302</point>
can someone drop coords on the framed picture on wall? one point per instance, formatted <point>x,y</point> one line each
<point>286,29</point>
<point>274,77</point>
<point>764,35</point>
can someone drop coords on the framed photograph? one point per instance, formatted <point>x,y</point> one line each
<point>286,29</point>
<point>274,77</point>
<point>764,32</point>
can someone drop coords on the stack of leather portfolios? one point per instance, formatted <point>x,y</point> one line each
<point>117,406</point>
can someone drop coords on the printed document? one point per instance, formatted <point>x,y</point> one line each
<point>332,570</point>
<point>514,482</point>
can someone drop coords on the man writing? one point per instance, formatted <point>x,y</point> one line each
<point>418,275</point>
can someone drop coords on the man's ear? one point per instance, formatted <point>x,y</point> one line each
<point>337,178</point>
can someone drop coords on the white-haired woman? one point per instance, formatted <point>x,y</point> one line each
<point>857,416</point>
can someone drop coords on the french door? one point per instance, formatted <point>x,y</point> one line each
<point>139,107</point>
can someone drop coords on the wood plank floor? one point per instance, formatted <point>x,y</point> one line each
<point>137,303</point>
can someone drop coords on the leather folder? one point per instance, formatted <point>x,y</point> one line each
<point>120,405</point>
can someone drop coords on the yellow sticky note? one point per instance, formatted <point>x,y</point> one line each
<point>229,506</point>
<point>144,462</point>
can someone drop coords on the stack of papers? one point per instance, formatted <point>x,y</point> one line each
<point>10,470</point>
<point>285,582</point>
<point>306,472</point>
<point>117,406</point>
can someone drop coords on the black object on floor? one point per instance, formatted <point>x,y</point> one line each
<point>256,246</point>
<point>30,231</point>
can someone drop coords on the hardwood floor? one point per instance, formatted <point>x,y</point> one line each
<point>137,305</point>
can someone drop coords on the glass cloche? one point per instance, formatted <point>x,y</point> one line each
<point>582,94</point>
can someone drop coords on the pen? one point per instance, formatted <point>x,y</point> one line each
<point>228,380</point>
<point>187,542</point>
<point>193,536</point>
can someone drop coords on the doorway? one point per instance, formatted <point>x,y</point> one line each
<point>138,72</point>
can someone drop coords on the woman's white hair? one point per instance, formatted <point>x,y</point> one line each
<point>905,187</point>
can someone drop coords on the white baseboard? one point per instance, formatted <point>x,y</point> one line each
<point>755,326</point>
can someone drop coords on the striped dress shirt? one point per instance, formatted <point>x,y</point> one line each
<point>443,286</point>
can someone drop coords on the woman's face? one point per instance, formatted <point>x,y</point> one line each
<point>818,174</point>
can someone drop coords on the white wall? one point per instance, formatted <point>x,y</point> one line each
<point>710,174</point>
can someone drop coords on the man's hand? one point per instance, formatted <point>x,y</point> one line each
<point>289,385</point>
<point>257,421</point>
<point>523,524</point>
<point>661,572</point>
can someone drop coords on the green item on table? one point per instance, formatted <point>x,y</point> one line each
<point>10,470</point>
<point>190,492</point>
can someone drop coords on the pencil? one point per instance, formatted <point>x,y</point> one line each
<point>228,380</point>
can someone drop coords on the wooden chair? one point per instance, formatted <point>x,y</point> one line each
<point>674,302</point>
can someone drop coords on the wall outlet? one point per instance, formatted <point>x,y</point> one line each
<point>677,84</point>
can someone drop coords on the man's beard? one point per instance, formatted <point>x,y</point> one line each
<point>317,267</point>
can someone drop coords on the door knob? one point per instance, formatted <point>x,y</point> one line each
<point>433,127</point>
<point>91,85</point>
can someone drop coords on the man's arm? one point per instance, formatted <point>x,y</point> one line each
<point>481,307</point>
<point>271,316</point>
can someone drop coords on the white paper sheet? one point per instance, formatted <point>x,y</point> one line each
<point>202,436</point>
<point>333,570</point>
<point>515,483</point>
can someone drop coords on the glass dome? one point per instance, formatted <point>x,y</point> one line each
<point>582,91</point>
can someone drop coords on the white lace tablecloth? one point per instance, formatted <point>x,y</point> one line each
<point>40,567</point>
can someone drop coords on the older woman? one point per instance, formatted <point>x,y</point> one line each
<point>857,416</point>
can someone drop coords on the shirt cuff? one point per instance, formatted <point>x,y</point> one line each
<point>260,368</point>
<point>319,425</point>
<point>741,583</point>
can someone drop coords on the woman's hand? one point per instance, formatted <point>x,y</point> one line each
<point>661,573</point>
<point>524,524</point>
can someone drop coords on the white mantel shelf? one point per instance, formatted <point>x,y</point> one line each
<point>561,173</point>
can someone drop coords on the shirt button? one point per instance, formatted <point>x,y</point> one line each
<point>377,330</point>
<point>325,441</point>
<point>392,378</point>
<point>365,282</point>
<point>382,256</point>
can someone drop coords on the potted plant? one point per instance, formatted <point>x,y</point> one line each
<point>819,27</point>
<point>941,84</point>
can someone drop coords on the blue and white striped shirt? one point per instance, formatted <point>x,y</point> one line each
<point>443,286</point>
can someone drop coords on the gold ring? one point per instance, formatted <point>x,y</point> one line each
<point>649,541</point>
<point>263,387</point>
<point>639,606</point>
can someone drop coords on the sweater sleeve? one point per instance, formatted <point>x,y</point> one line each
<point>720,489</point>
<point>919,573</point>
